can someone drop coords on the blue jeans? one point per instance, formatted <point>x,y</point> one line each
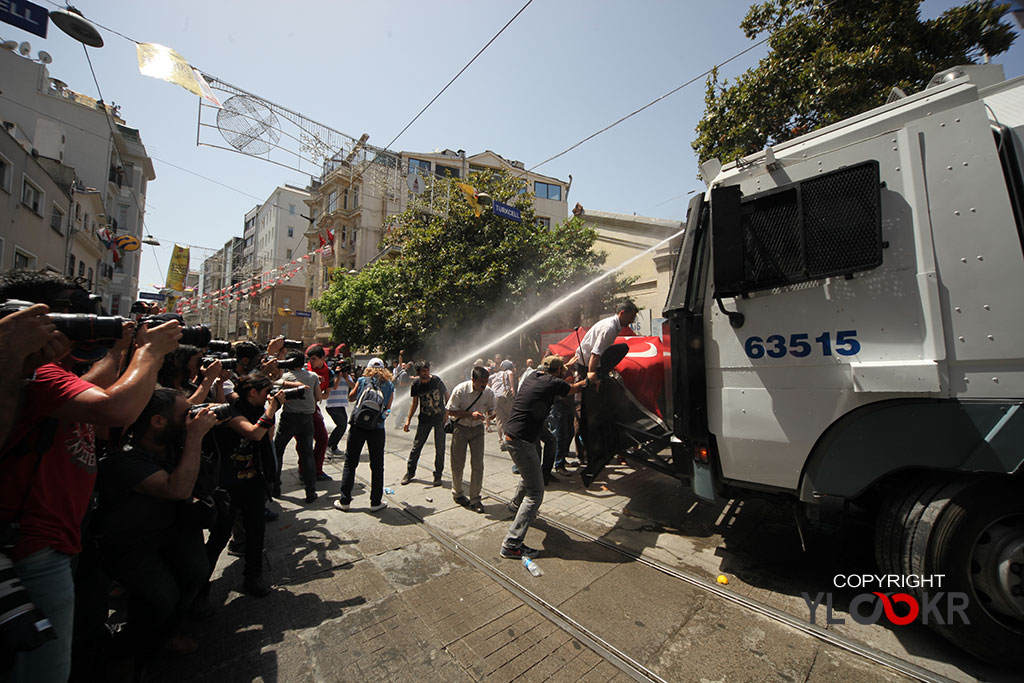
<point>423,427</point>
<point>560,423</point>
<point>46,575</point>
<point>529,493</point>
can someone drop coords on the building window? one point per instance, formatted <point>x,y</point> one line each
<point>418,165</point>
<point>544,223</point>
<point>90,278</point>
<point>122,216</point>
<point>287,301</point>
<point>57,218</point>
<point>447,171</point>
<point>332,202</point>
<point>291,232</point>
<point>23,259</point>
<point>81,269</point>
<point>115,305</point>
<point>547,191</point>
<point>288,254</point>
<point>291,209</point>
<point>284,329</point>
<point>6,171</point>
<point>32,196</point>
<point>129,174</point>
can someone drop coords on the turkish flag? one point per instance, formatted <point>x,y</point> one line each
<point>642,369</point>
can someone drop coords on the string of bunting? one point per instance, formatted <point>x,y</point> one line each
<point>255,285</point>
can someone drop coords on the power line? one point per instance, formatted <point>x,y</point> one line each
<point>495,37</point>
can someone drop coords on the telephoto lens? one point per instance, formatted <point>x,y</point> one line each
<point>219,345</point>
<point>23,626</point>
<point>225,363</point>
<point>294,394</point>
<point>291,363</point>
<point>79,327</point>
<point>221,411</point>
<point>196,335</point>
<point>293,344</point>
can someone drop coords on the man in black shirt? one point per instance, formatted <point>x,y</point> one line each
<point>148,543</point>
<point>529,410</point>
<point>431,395</point>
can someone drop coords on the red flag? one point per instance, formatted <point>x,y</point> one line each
<point>330,235</point>
<point>323,242</point>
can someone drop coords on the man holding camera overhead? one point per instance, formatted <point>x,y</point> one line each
<point>297,422</point>
<point>48,463</point>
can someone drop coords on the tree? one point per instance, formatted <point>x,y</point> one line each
<point>456,272</point>
<point>830,60</point>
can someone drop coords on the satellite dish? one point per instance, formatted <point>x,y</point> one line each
<point>72,22</point>
<point>248,125</point>
<point>25,49</point>
<point>10,44</point>
<point>45,57</point>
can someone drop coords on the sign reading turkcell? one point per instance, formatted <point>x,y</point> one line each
<point>152,296</point>
<point>25,15</point>
<point>303,314</point>
<point>506,211</point>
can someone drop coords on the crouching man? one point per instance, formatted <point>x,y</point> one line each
<point>152,530</point>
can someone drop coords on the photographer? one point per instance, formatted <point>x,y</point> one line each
<point>148,542</point>
<point>248,467</point>
<point>297,423</point>
<point>48,464</point>
<point>316,359</point>
<point>337,402</point>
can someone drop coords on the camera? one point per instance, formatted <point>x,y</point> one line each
<point>219,345</point>
<point>77,327</point>
<point>294,394</point>
<point>195,335</point>
<point>291,363</point>
<point>225,363</point>
<point>221,411</point>
<point>23,626</point>
<point>293,344</point>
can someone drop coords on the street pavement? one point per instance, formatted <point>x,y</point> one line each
<point>378,597</point>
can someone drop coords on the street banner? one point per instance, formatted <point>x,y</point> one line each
<point>25,15</point>
<point>506,211</point>
<point>470,193</point>
<point>159,61</point>
<point>177,271</point>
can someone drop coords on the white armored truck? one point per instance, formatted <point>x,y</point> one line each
<point>847,329</point>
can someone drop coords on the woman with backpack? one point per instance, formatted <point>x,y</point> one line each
<point>370,399</point>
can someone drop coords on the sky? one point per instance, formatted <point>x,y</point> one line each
<point>561,71</point>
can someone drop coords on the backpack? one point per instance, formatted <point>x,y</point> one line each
<point>369,407</point>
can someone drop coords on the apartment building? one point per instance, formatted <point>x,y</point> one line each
<point>355,196</point>
<point>79,132</point>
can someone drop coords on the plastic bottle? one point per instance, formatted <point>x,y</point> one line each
<point>389,491</point>
<point>532,566</point>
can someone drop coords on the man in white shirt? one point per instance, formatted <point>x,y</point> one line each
<point>470,403</point>
<point>598,354</point>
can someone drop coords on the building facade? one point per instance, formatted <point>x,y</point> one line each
<point>355,198</point>
<point>77,131</point>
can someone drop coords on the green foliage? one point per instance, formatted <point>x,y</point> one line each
<point>453,270</point>
<point>832,60</point>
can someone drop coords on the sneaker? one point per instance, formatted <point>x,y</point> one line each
<point>561,470</point>
<point>437,481</point>
<point>257,586</point>
<point>379,506</point>
<point>236,549</point>
<point>503,446</point>
<point>323,476</point>
<point>311,496</point>
<point>405,480</point>
<point>519,552</point>
<point>462,500</point>
<point>344,507</point>
<point>477,507</point>
<point>514,509</point>
<point>335,451</point>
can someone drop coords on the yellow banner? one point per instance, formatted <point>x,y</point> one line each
<point>284,311</point>
<point>159,61</point>
<point>177,269</point>
<point>470,193</point>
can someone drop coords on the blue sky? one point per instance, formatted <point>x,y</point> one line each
<point>563,70</point>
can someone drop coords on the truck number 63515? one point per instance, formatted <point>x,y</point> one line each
<point>800,345</point>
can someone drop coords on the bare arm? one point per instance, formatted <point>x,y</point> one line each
<point>254,431</point>
<point>103,372</point>
<point>124,400</point>
<point>412,411</point>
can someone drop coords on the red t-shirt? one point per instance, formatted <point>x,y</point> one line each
<point>325,376</point>
<point>60,489</point>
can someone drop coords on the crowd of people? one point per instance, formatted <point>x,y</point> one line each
<point>130,463</point>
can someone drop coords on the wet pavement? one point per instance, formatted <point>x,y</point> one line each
<point>407,593</point>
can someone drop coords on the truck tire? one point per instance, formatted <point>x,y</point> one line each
<point>892,524</point>
<point>920,524</point>
<point>976,539</point>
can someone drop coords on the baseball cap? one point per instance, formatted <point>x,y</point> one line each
<point>375,363</point>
